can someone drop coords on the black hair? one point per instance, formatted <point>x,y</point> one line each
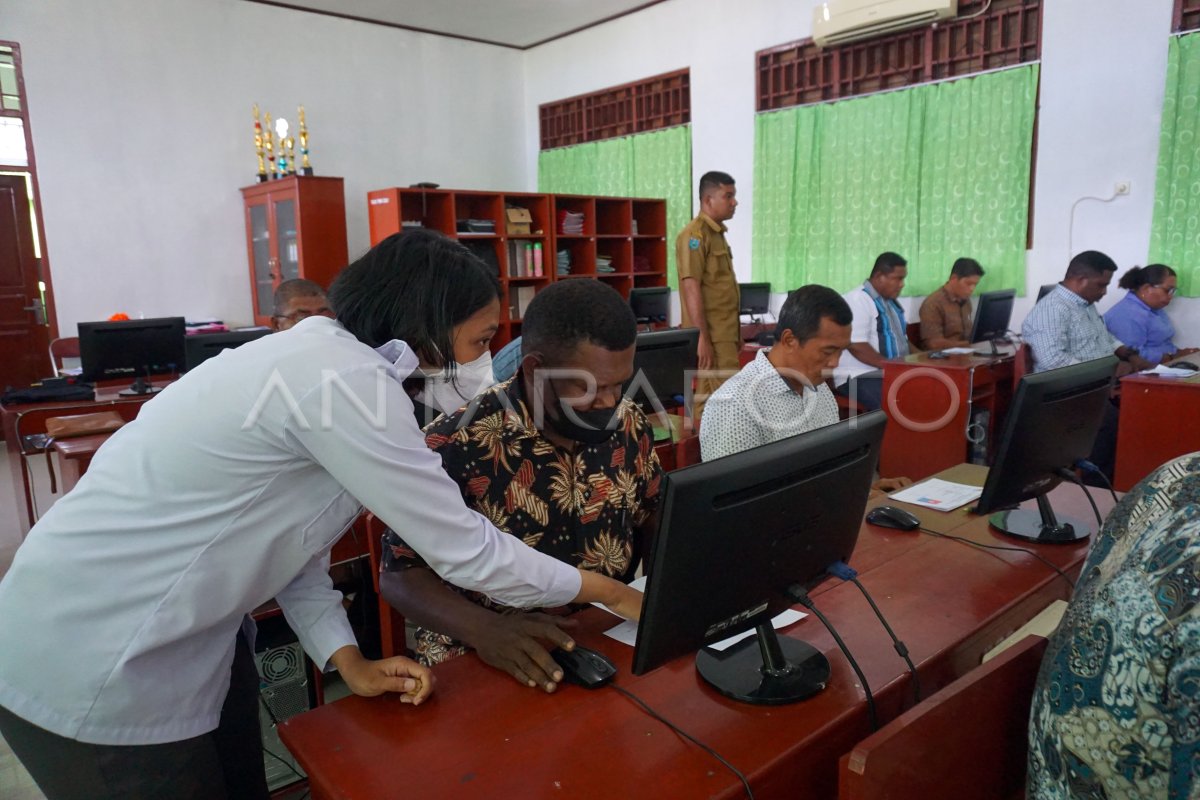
<point>887,262</point>
<point>413,286</point>
<point>711,181</point>
<point>1090,263</point>
<point>568,313</point>
<point>804,309</point>
<point>1153,274</point>
<point>289,290</point>
<point>966,268</point>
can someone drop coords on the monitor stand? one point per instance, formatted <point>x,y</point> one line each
<point>139,388</point>
<point>764,669</point>
<point>1040,526</point>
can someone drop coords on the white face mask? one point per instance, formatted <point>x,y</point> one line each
<point>447,395</point>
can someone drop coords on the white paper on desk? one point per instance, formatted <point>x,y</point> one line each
<point>626,632</point>
<point>1169,372</point>
<point>938,494</point>
<point>957,351</point>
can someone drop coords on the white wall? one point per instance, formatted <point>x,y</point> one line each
<point>1103,73</point>
<point>142,129</point>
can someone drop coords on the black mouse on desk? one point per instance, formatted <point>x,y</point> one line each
<point>1185,365</point>
<point>892,517</point>
<point>585,667</point>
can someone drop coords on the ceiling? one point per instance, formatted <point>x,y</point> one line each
<point>510,23</point>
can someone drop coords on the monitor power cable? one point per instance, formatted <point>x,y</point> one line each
<point>1070,476</point>
<point>1084,464</point>
<point>642,703</point>
<point>797,592</point>
<point>840,569</point>
<point>1045,561</point>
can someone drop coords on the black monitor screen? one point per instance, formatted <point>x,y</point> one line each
<point>663,365</point>
<point>993,315</point>
<point>1045,290</point>
<point>203,346</point>
<point>1051,424</point>
<point>131,349</point>
<point>650,304</point>
<point>756,297</point>
<point>737,532</point>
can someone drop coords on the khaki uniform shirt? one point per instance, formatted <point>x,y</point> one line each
<point>701,252</point>
<point>943,317</point>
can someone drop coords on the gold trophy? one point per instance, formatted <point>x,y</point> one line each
<point>305,167</point>
<point>281,127</point>
<point>291,155</point>
<point>269,141</point>
<point>258,146</point>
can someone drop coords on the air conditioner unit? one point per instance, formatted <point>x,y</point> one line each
<point>842,21</point>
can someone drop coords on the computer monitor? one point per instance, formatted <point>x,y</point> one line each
<point>992,316</point>
<point>136,349</point>
<point>203,346</point>
<point>1052,423</point>
<point>735,534</point>
<point>756,298</point>
<point>663,365</point>
<point>1045,290</point>
<point>651,304</point>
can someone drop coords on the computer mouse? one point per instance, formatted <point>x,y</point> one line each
<point>585,667</point>
<point>1185,365</point>
<point>892,517</point>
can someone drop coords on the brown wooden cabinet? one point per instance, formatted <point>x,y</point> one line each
<point>618,240</point>
<point>295,228</point>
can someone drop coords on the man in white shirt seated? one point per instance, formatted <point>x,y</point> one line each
<point>782,392</point>
<point>878,332</point>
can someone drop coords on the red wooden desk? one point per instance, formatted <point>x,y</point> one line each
<point>1160,420</point>
<point>482,735</point>
<point>74,456</point>
<point>929,403</point>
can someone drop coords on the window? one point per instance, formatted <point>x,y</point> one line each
<point>647,105</point>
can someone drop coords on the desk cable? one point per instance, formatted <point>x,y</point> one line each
<point>798,593</point>
<point>1073,478</point>
<point>840,569</point>
<point>1045,561</point>
<point>1084,464</point>
<point>741,777</point>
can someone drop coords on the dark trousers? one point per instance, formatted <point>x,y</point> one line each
<point>226,764</point>
<point>1104,448</point>
<point>866,390</point>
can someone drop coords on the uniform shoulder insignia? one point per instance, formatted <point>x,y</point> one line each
<point>693,243</point>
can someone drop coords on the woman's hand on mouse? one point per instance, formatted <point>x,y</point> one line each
<point>512,643</point>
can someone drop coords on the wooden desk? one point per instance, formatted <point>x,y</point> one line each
<point>74,456</point>
<point>929,403</point>
<point>1160,420</point>
<point>481,735</point>
<point>24,419</point>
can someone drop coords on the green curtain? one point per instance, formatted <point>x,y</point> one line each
<point>1175,232</point>
<point>655,164</point>
<point>934,172</point>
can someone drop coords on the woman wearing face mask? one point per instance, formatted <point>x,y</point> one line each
<point>1140,319</point>
<point>123,672</point>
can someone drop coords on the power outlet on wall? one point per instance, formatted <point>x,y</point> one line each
<point>1121,187</point>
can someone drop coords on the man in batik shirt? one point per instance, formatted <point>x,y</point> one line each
<point>555,456</point>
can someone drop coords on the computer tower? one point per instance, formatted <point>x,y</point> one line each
<point>283,693</point>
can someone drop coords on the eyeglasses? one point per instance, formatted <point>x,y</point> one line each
<point>1170,290</point>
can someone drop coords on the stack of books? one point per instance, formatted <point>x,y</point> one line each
<point>562,262</point>
<point>604,264</point>
<point>570,223</point>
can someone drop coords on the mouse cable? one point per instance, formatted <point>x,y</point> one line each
<point>797,593</point>
<point>1045,561</point>
<point>840,569</point>
<point>1073,478</point>
<point>1084,464</point>
<point>688,736</point>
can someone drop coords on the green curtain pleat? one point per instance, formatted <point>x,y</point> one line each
<point>656,164</point>
<point>1175,231</point>
<point>933,173</point>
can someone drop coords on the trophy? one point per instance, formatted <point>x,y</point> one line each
<point>305,167</point>
<point>258,146</point>
<point>269,141</point>
<point>281,128</point>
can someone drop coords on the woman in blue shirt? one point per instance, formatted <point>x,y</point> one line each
<point>1139,319</point>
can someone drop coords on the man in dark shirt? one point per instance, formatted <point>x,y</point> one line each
<point>554,456</point>
<point>946,314</point>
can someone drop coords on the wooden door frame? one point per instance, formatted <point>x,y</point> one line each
<point>31,170</point>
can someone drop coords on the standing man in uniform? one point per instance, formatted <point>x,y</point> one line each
<point>708,289</point>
